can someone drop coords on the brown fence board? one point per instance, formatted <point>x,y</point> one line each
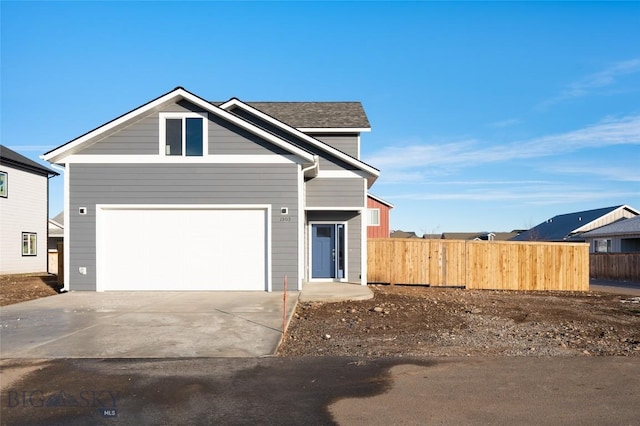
<point>615,266</point>
<point>479,264</point>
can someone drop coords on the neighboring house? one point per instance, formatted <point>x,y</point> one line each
<point>378,211</point>
<point>479,236</point>
<point>622,236</point>
<point>24,201</point>
<point>403,234</point>
<point>56,236</point>
<point>185,194</point>
<point>56,232</point>
<point>569,227</point>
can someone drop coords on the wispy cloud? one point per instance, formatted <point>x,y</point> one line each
<point>593,82</point>
<point>436,158</point>
<point>505,123</point>
<point>560,195</point>
<point>616,173</point>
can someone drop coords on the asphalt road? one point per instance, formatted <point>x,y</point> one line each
<point>616,287</point>
<point>322,391</point>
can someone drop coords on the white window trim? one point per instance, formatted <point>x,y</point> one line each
<point>183,115</point>
<point>346,250</point>
<point>369,221</point>
<point>32,249</point>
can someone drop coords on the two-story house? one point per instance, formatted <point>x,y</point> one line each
<point>186,194</point>
<point>24,207</point>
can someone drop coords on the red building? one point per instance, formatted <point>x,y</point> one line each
<point>378,217</point>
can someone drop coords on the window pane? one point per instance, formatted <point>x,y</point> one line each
<point>173,132</point>
<point>28,244</point>
<point>194,136</point>
<point>374,217</point>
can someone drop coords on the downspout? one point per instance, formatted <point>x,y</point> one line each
<point>62,169</point>
<point>303,248</point>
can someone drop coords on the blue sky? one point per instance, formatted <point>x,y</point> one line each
<point>485,116</point>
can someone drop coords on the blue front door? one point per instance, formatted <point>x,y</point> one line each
<point>327,251</point>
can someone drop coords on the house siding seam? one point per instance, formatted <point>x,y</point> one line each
<point>347,143</point>
<point>335,192</point>
<point>92,184</point>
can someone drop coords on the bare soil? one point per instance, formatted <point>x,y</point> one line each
<point>419,321</point>
<point>23,287</point>
<point>416,321</point>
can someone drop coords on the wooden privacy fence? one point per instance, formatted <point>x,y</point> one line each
<point>615,266</point>
<point>494,265</point>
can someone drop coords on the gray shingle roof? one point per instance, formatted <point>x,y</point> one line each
<point>315,114</point>
<point>19,161</point>
<point>621,227</point>
<point>562,227</point>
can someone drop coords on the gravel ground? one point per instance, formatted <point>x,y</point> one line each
<point>424,321</point>
<point>22,287</point>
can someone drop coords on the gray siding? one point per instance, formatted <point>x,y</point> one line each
<point>327,161</point>
<point>335,192</point>
<point>354,241</point>
<point>92,184</point>
<point>345,143</point>
<point>141,137</point>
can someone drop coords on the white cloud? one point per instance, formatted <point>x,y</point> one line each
<point>453,155</point>
<point>505,123</point>
<point>591,83</point>
<point>615,173</point>
<point>560,195</point>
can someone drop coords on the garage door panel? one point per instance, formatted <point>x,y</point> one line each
<point>182,249</point>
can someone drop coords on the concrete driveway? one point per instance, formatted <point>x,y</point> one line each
<point>145,325</point>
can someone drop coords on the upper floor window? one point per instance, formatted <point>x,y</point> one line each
<point>183,134</point>
<point>373,218</point>
<point>4,185</point>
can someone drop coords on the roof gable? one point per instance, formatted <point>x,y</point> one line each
<point>621,227</point>
<point>179,93</point>
<point>19,161</point>
<point>380,200</point>
<point>563,227</point>
<point>232,103</point>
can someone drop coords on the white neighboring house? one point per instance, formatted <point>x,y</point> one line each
<point>24,212</point>
<point>56,236</point>
<point>622,236</point>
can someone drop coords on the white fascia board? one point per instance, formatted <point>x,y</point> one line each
<point>56,154</point>
<point>380,200</point>
<point>334,129</point>
<point>179,93</point>
<point>334,209</point>
<point>54,223</point>
<point>333,174</point>
<point>624,207</point>
<point>296,132</point>
<point>183,206</point>
<point>161,159</point>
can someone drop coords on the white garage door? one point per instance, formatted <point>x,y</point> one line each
<point>181,249</point>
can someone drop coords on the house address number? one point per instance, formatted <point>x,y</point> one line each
<point>285,219</point>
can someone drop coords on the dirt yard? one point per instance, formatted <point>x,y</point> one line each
<point>20,288</point>
<point>422,321</point>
